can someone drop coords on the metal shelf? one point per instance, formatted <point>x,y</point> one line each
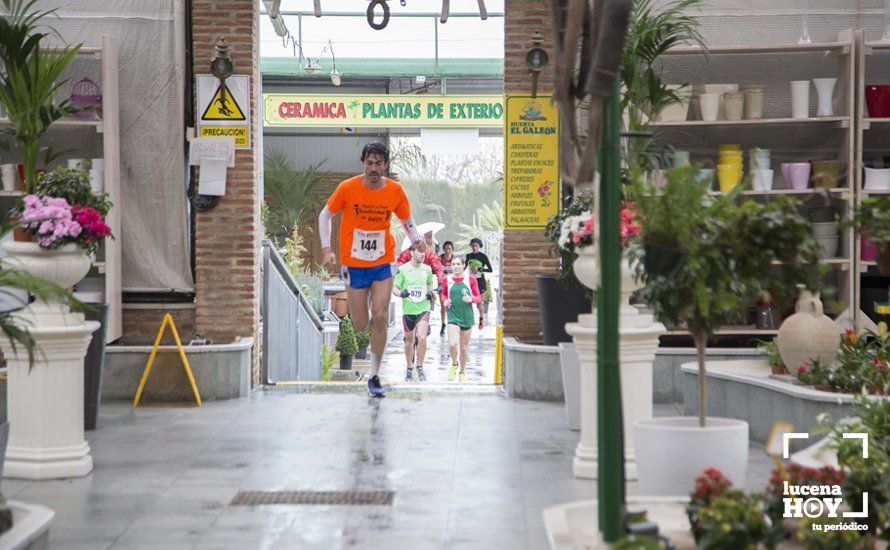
<point>841,47</point>
<point>66,122</point>
<point>844,122</point>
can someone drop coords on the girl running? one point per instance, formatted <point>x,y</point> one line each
<point>479,272</point>
<point>458,295</point>
<point>445,259</point>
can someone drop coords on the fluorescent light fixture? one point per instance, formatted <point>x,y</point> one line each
<point>278,25</point>
<point>273,10</point>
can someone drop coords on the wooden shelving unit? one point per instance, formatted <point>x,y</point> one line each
<point>108,269</point>
<point>789,139</point>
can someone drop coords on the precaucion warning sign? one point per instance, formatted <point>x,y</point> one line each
<point>225,108</point>
<point>531,171</point>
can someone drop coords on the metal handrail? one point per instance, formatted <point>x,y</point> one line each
<point>282,269</point>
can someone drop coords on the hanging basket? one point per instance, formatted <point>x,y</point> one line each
<point>86,97</point>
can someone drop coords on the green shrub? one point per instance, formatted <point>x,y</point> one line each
<point>363,338</point>
<point>329,358</point>
<point>346,342</point>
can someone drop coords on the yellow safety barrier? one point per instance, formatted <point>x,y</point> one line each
<point>168,320</point>
<point>499,356</point>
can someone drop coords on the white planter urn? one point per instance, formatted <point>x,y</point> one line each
<point>808,334</point>
<point>639,341</point>
<point>45,403</point>
<point>672,451</point>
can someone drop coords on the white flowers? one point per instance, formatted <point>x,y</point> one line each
<point>570,226</point>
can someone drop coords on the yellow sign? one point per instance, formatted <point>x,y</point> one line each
<point>383,111</point>
<point>238,132</point>
<point>223,106</point>
<point>531,159</point>
<point>167,322</point>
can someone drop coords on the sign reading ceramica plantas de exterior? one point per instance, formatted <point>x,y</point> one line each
<point>531,158</point>
<point>382,111</point>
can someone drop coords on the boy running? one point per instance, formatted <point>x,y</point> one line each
<point>367,249</point>
<point>415,284</point>
<point>459,295</point>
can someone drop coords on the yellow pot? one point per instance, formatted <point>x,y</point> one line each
<point>729,147</point>
<point>728,176</point>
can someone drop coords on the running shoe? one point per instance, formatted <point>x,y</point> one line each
<point>481,324</point>
<point>375,388</point>
<point>463,377</point>
<point>442,332</point>
<point>409,375</point>
<point>421,376</point>
<point>452,372</point>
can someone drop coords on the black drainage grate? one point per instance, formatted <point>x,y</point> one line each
<point>317,498</point>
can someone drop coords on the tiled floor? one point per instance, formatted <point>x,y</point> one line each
<point>470,470</point>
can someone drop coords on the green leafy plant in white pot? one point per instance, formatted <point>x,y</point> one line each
<point>733,252</point>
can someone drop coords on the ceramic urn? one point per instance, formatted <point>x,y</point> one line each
<point>808,334</point>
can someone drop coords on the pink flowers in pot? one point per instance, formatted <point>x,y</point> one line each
<point>581,228</point>
<point>55,223</point>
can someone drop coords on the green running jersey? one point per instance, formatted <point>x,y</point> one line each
<point>417,281</point>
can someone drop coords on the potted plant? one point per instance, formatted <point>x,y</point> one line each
<point>773,358</point>
<point>30,82</point>
<point>91,209</point>
<point>733,252</point>
<point>363,339</point>
<point>871,219</point>
<point>561,296</point>
<point>328,358</point>
<point>346,343</point>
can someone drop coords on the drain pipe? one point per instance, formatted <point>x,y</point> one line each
<point>189,122</point>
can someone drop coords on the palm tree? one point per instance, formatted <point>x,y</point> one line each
<point>290,194</point>
<point>30,81</point>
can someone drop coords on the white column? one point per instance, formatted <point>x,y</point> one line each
<point>45,402</point>
<point>639,341</point>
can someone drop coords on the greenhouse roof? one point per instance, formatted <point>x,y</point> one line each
<point>383,67</point>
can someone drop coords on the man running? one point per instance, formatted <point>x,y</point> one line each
<point>445,259</point>
<point>415,285</point>
<point>367,249</point>
<point>459,295</point>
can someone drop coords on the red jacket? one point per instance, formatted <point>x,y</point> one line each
<point>429,258</point>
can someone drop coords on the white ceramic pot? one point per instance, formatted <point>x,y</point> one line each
<point>676,112</point>
<point>808,334</point>
<point>877,179</point>
<point>762,180</point>
<point>9,176</point>
<point>672,451</point>
<point>710,106</point>
<point>825,229</point>
<point>585,266</point>
<point>828,247</point>
<point>824,91</point>
<point>800,99</point>
<point>65,265</point>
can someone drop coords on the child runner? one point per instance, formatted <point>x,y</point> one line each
<point>415,284</point>
<point>459,295</point>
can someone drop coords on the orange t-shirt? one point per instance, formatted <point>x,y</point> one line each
<point>365,240</point>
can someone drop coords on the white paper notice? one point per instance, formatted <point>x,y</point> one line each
<point>217,148</point>
<point>212,180</point>
<point>450,141</point>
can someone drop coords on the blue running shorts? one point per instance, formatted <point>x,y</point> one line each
<point>363,277</point>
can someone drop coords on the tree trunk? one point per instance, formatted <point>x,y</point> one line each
<point>701,344</point>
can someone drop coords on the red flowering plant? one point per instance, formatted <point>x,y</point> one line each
<point>63,209</point>
<point>797,476</point>
<point>862,365</point>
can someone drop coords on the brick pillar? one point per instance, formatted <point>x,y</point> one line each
<point>227,238</point>
<point>526,253</point>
